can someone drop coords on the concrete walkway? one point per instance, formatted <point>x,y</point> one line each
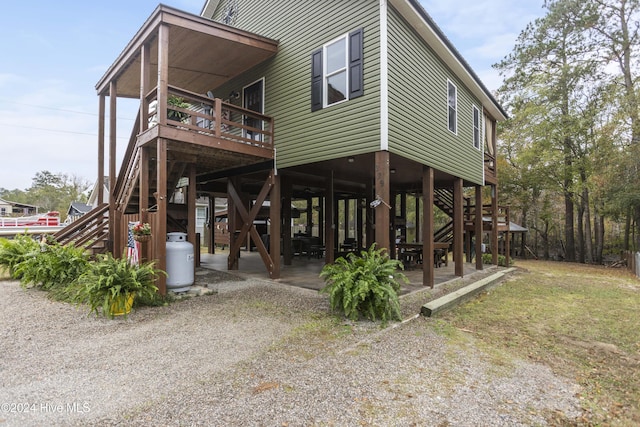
<point>304,272</point>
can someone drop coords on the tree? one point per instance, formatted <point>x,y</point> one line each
<point>545,77</point>
<point>614,25</point>
<point>51,192</point>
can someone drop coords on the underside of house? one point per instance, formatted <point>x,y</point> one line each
<point>210,146</point>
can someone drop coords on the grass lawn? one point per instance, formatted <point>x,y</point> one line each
<point>582,321</point>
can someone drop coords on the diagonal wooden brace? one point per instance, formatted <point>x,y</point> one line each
<point>249,217</point>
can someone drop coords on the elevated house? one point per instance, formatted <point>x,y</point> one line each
<point>360,104</point>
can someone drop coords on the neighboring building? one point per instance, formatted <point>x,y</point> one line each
<point>12,209</point>
<point>77,210</point>
<point>95,195</point>
<point>370,102</point>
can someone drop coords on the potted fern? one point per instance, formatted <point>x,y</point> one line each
<point>364,285</point>
<point>112,284</point>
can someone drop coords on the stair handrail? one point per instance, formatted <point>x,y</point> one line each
<point>444,233</point>
<point>90,227</point>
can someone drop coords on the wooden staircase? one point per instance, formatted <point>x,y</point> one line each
<point>443,199</point>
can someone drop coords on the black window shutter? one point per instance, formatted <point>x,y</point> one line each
<point>316,80</point>
<point>356,73</point>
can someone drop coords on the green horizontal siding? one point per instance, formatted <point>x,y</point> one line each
<point>418,124</point>
<point>302,136</point>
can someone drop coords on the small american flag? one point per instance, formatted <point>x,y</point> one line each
<point>133,247</point>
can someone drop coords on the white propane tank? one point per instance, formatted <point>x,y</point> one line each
<point>180,261</point>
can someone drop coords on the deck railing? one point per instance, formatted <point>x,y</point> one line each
<point>212,116</point>
<point>490,164</point>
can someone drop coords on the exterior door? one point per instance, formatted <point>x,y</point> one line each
<point>253,100</point>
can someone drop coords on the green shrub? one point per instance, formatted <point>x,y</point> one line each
<point>502,260</point>
<point>364,285</point>
<point>53,266</point>
<point>15,251</point>
<point>109,278</point>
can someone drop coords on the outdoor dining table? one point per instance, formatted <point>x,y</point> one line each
<point>416,248</point>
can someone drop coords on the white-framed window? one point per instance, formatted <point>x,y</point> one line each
<point>335,85</point>
<point>336,70</point>
<point>452,107</point>
<point>477,125</point>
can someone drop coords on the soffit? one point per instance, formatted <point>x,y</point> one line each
<point>202,54</point>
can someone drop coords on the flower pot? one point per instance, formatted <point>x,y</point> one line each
<point>142,237</point>
<point>121,305</point>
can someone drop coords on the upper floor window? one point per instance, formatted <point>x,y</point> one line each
<point>336,71</point>
<point>476,127</point>
<point>452,103</point>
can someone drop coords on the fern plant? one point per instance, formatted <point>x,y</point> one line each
<point>111,280</point>
<point>364,285</point>
<point>53,266</point>
<point>15,251</point>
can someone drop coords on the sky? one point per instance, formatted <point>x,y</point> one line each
<point>54,52</point>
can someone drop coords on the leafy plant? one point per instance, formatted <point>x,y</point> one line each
<point>110,280</point>
<point>13,252</point>
<point>364,285</point>
<point>177,102</point>
<point>52,266</point>
<point>502,260</point>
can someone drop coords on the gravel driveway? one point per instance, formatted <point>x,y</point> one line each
<point>256,353</point>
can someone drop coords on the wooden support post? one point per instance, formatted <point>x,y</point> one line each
<point>428,255</point>
<point>114,219</point>
<point>160,239</point>
<point>329,227</point>
<point>383,194</point>
<point>100,182</point>
<point>478,227</point>
<point>191,214</point>
<point>211,241</point>
<point>232,262</point>
<point>143,199</point>
<point>494,224</point>
<point>336,222</point>
<point>276,221</point>
<point>145,85</point>
<point>467,232</point>
<point>163,73</point>
<point>458,227</point>
<point>217,104</point>
<point>101,114</point>
<point>287,244</point>
<point>392,223</point>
